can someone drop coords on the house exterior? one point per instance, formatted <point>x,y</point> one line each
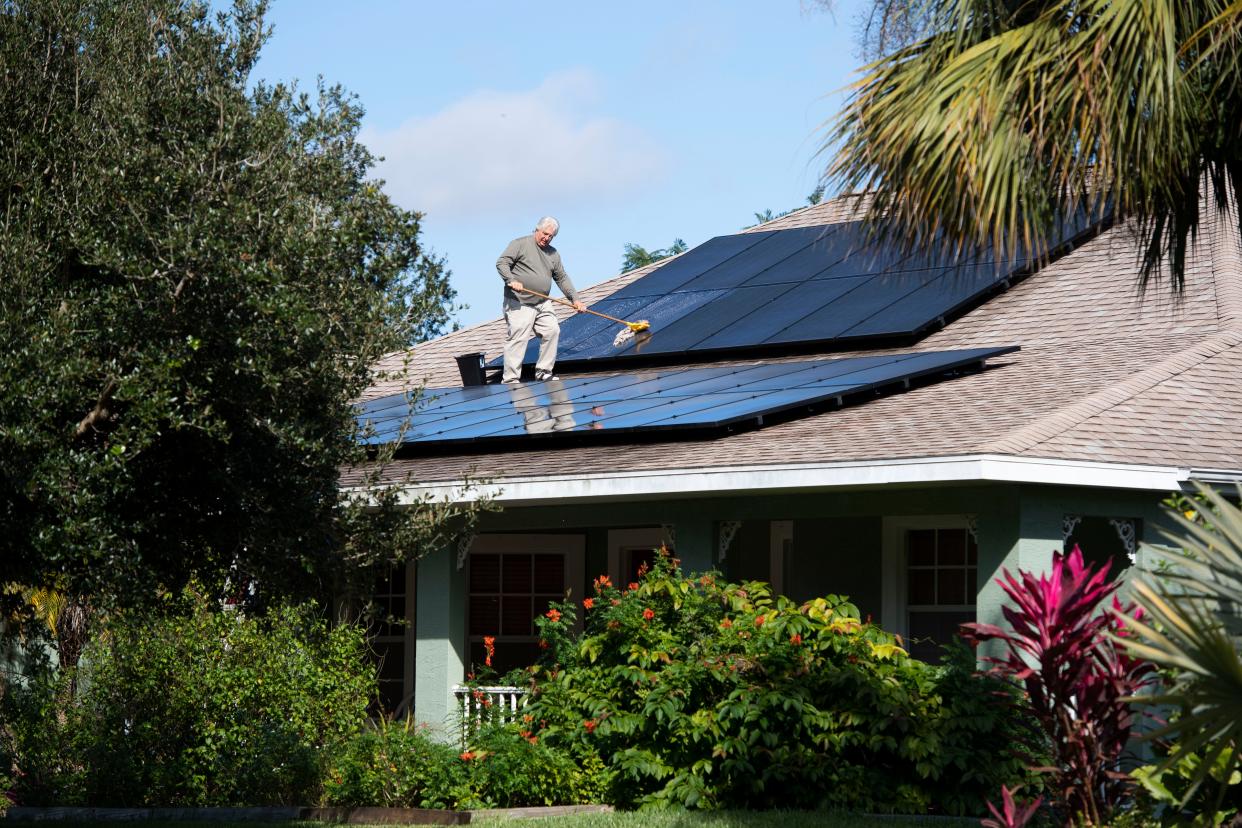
<point>910,503</point>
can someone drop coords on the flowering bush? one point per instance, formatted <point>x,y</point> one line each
<point>708,694</point>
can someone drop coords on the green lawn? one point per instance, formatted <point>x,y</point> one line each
<point>732,819</point>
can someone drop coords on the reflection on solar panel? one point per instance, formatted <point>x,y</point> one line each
<point>777,288</point>
<point>706,398</point>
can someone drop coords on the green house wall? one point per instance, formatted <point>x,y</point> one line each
<point>838,547</point>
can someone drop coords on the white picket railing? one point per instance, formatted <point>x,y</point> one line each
<point>485,705</point>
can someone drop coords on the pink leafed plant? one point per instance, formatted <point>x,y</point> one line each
<point>1011,814</point>
<point>1076,679</point>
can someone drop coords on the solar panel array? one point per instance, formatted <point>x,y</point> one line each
<point>780,287</point>
<point>705,398</point>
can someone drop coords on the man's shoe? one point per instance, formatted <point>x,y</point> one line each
<point>545,377</point>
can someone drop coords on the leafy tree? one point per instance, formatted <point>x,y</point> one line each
<point>1005,116</point>
<point>637,256</point>
<point>197,276</point>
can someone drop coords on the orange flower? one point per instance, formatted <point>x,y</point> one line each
<point>642,569</point>
<point>726,624</point>
<point>759,619</point>
<point>467,756</point>
<point>648,613</point>
<point>588,603</point>
<point>489,644</point>
<point>795,639</point>
<point>602,582</point>
<point>590,725</point>
<point>616,602</point>
<point>543,644</point>
<point>633,585</point>
<point>554,614</point>
<point>706,580</point>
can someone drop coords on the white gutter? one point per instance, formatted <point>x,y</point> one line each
<point>788,477</point>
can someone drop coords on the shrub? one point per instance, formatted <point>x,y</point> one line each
<point>1193,630</point>
<point>212,707</point>
<point>38,758</point>
<point>396,764</point>
<point>1077,680</point>
<point>508,770</point>
<point>707,694</point>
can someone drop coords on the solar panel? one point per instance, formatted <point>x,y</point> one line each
<point>675,399</point>
<point>824,284</point>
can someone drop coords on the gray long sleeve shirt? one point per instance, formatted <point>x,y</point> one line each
<point>535,267</point>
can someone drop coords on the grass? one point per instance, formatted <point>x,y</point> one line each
<point>734,819</point>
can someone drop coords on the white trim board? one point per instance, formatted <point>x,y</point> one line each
<point>624,485</point>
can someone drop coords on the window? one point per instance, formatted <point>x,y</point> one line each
<point>941,569</point>
<point>388,638</point>
<point>629,549</point>
<point>930,580</point>
<point>511,580</point>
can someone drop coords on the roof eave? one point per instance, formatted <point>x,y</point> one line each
<point>624,485</point>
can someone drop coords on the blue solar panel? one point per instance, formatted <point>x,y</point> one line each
<point>822,284</point>
<point>704,399</point>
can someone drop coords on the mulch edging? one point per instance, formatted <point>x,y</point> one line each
<point>345,816</point>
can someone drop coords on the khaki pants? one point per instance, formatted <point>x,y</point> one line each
<point>523,321</point>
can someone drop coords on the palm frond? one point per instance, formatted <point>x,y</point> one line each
<point>1003,122</point>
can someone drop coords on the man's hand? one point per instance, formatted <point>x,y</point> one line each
<point>516,285</point>
<point>579,307</point>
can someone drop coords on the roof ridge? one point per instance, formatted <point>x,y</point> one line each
<point>1227,269</point>
<point>1063,419</point>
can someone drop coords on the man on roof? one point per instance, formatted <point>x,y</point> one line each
<point>528,266</point>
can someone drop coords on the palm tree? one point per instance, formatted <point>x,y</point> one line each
<point>1012,113</point>
<point>1192,626</point>
<point>637,256</point>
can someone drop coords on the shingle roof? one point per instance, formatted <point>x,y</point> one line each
<point>1106,373</point>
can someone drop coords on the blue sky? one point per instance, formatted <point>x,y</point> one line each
<point>630,122</point>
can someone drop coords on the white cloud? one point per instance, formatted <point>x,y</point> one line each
<point>539,149</point>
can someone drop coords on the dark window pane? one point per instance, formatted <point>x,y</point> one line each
<point>951,547</point>
<point>972,586</point>
<point>638,557</point>
<point>972,550</point>
<point>485,573</point>
<point>516,615</point>
<point>922,546</point>
<point>549,573</point>
<point>484,615</point>
<point>951,586</point>
<point>929,630</point>
<point>542,603</point>
<point>511,654</point>
<point>922,587</point>
<point>516,573</point>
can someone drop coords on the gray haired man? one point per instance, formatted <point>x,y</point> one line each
<point>531,262</point>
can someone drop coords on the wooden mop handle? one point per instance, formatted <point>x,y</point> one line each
<point>571,305</point>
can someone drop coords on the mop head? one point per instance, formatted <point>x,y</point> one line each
<point>631,328</point>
